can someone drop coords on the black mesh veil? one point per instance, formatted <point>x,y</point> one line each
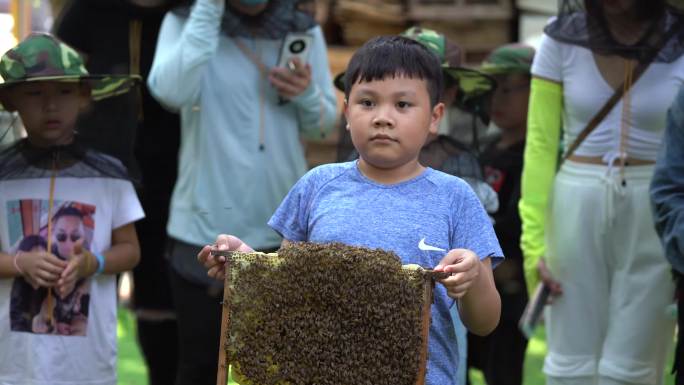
<point>585,23</point>
<point>22,160</point>
<point>278,19</point>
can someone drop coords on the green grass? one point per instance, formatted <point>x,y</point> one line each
<point>132,369</point>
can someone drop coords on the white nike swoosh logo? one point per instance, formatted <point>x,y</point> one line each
<point>425,247</point>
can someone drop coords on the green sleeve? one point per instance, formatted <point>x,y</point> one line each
<point>540,162</point>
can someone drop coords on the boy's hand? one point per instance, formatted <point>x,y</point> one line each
<point>291,82</point>
<point>81,264</point>
<point>40,268</point>
<point>216,264</point>
<point>464,265</point>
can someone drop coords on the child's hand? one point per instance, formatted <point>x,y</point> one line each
<point>81,264</point>
<point>40,268</point>
<point>216,264</point>
<point>464,265</point>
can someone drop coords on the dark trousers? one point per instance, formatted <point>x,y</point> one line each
<point>158,344</point>
<point>198,313</point>
<point>500,355</point>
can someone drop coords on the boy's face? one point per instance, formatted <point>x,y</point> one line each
<point>48,109</point>
<point>509,101</point>
<point>390,119</point>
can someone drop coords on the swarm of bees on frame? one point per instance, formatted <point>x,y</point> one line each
<point>324,314</point>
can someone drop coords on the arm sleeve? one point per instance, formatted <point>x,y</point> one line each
<point>540,162</point>
<point>291,218</point>
<point>316,106</point>
<point>548,60</point>
<point>127,208</point>
<point>474,230</point>
<point>183,49</point>
<point>667,187</point>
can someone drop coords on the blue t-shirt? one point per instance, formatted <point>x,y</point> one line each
<point>336,203</point>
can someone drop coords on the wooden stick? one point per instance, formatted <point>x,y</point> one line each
<point>222,373</point>
<point>51,202</point>
<point>425,329</point>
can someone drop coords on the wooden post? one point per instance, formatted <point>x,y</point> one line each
<point>425,328</point>
<point>222,373</point>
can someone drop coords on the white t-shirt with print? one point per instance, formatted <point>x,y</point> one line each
<point>28,354</point>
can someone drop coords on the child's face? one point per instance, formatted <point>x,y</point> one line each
<point>49,109</point>
<point>509,101</point>
<point>390,119</point>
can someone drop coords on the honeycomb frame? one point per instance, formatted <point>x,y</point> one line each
<point>256,266</point>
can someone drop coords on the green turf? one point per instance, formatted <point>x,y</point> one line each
<point>132,369</point>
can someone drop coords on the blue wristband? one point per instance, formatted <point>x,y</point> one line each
<point>100,263</point>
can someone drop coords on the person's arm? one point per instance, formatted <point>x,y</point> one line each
<point>317,105</point>
<point>183,49</point>
<point>667,186</point>
<point>540,162</point>
<point>472,283</point>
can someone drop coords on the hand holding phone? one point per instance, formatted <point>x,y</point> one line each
<point>296,45</point>
<point>292,75</point>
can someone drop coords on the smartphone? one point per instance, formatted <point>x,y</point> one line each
<point>295,45</point>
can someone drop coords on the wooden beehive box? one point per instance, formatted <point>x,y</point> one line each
<point>361,20</point>
<point>477,26</point>
<point>324,314</point>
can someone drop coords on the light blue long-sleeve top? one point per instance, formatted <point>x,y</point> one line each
<point>226,183</point>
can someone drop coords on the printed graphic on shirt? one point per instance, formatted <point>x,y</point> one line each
<point>72,224</point>
<point>495,177</point>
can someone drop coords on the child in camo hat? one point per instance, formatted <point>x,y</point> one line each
<point>500,355</point>
<point>42,178</point>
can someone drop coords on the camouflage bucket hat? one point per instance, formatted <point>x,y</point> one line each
<point>470,82</point>
<point>507,59</point>
<point>42,57</point>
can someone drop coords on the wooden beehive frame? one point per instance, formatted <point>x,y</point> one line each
<point>459,10</point>
<point>224,364</point>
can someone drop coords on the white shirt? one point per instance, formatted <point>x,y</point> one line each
<point>28,358</point>
<point>585,91</point>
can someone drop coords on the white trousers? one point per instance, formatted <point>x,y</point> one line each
<point>611,325</point>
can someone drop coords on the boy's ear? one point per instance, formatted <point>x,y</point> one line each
<point>436,117</point>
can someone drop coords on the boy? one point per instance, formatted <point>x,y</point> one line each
<point>500,355</point>
<point>79,204</point>
<point>388,200</point>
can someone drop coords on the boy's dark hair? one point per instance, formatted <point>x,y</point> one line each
<point>393,56</point>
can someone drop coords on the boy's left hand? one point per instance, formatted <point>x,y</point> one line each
<point>81,264</point>
<point>291,82</point>
<point>464,265</point>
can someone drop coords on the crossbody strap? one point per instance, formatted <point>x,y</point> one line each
<point>617,95</point>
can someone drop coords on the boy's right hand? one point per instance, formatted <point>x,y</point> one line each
<point>41,268</point>
<point>216,264</point>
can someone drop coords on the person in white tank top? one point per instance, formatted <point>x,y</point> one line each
<point>587,228</point>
